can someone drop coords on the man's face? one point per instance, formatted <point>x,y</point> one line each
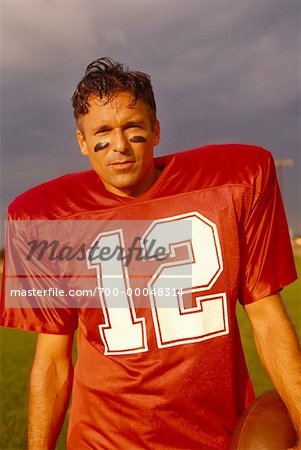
<point>119,140</point>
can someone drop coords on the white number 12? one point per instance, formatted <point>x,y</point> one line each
<point>175,324</point>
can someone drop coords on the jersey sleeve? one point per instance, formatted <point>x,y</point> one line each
<point>29,298</point>
<point>267,262</point>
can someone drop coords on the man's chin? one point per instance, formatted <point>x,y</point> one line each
<point>123,184</point>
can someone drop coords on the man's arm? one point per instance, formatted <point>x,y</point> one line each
<point>50,387</point>
<point>279,351</point>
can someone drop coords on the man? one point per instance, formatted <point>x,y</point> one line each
<point>162,370</point>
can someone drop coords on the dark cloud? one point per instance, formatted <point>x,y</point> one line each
<point>223,70</point>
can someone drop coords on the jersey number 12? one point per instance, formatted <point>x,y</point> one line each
<point>174,323</point>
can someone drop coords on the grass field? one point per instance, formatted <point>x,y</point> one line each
<point>17,349</point>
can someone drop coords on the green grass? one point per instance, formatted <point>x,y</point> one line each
<point>15,369</point>
<point>17,350</point>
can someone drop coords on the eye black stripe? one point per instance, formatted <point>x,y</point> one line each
<point>101,146</point>
<point>137,139</point>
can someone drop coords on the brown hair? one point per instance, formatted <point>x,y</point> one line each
<point>105,78</point>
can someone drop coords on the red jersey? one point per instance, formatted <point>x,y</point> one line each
<point>160,363</point>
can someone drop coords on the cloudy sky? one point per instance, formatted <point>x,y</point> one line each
<point>222,70</point>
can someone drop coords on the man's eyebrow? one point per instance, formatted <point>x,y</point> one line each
<point>130,123</point>
<point>134,123</point>
<point>101,128</point>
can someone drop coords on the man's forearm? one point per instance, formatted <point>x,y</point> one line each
<point>50,387</point>
<point>279,351</point>
<point>281,357</point>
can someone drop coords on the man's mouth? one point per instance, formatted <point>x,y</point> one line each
<point>122,164</point>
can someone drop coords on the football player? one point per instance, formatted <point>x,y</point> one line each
<point>160,363</point>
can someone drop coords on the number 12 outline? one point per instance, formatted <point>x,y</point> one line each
<point>123,332</point>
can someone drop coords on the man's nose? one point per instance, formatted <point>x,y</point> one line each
<point>120,142</point>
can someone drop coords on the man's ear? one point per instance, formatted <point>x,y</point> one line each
<point>156,129</point>
<point>81,142</point>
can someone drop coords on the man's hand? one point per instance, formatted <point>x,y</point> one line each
<point>50,387</point>
<point>279,352</point>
